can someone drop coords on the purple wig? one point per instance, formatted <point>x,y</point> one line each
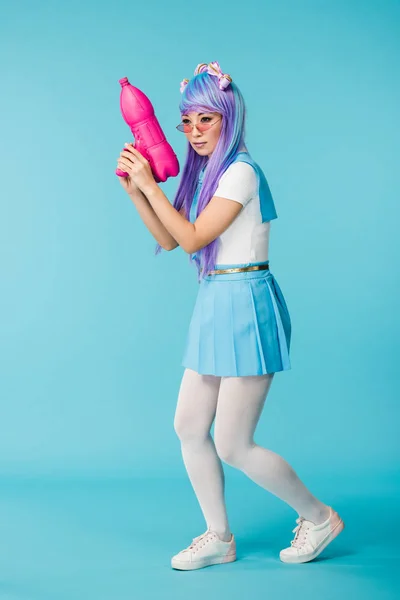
<point>202,94</point>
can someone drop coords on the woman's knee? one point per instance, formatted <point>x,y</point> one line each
<point>196,406</point>
<point>227,453</point>
<point>189,429</point>
<point>230,452</point>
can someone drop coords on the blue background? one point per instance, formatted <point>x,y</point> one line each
<point>94,496</point>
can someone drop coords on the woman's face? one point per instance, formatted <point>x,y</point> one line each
<point>208,138</point>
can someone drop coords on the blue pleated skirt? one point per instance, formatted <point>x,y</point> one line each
<point>240,325</point>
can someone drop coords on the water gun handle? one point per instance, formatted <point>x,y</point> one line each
<point>142,149</point>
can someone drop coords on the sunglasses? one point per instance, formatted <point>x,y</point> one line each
<point>202,126</point>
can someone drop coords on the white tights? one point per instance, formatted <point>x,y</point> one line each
<point>236,404</point>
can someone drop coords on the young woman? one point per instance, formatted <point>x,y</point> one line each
<point>239,334</point>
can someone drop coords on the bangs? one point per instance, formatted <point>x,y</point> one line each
<point>198,108</point>
<point>200,95</point>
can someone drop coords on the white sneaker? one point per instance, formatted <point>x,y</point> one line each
<point>206,549</point>
<point>311,539</point>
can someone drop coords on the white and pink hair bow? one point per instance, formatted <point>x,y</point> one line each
<point>212,68</point>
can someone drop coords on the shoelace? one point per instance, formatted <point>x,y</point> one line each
<point>201,540</point>
<point>301,533</point>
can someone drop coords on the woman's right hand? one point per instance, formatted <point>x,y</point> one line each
<point>123,163</point>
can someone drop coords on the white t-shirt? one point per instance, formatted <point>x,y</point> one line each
<point>247,238</point>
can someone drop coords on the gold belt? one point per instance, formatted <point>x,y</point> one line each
<point>239,269</point>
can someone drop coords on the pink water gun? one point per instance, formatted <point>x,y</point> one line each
<point>150,141</point>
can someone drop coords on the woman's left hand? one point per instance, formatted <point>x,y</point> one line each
<point>137,167</point>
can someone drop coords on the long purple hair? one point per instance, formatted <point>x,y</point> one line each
<point>202,94</point>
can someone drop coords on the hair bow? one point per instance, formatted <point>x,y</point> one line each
<point>212,68</point>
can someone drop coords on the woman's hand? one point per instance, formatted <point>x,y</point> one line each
<point>138,168</point>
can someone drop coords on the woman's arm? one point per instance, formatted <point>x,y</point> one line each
<point>212,221</point>
<point>219,213</point>
<point>152,222</point>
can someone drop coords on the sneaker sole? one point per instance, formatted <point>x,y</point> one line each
<point>205,562</point>
<point>307,557</point>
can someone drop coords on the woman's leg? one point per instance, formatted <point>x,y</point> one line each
<point>195,412</point>
<point>240,403</point>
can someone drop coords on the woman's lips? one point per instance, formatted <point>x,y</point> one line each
<point>199,143</point>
